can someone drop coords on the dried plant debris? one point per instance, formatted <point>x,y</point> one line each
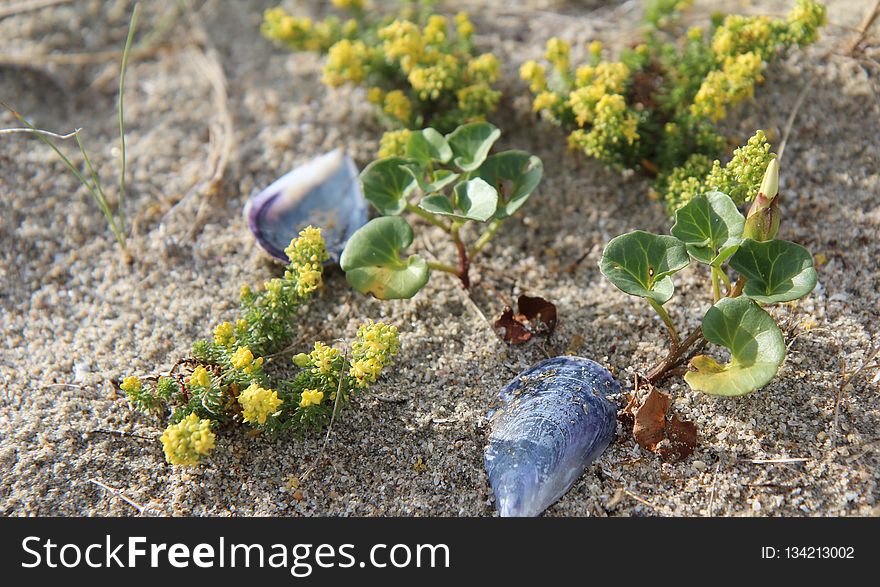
<point>535,315</point>
<point>672,439</point>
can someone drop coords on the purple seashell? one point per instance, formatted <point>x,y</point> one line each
<point>324,192</point>
<point>554,419</point>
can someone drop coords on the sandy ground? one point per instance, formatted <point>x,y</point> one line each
<point>73,317</point>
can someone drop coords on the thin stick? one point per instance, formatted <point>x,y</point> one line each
<point>9,131</point>
<point>120,495</point>
<point>29,5</point>
<point>789,124</point>
<point>712,493</point>
<point>779,460</point>
<point>330,427</point>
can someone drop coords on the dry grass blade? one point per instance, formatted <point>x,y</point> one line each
<point>141,509</point>
<point>9,131</point>
<point>28,6</point>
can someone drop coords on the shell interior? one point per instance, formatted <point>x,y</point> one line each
<point>324,192</point>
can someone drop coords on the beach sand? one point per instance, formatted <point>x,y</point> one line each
<point>74,318</point>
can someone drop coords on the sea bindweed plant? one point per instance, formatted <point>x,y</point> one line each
<point>419,69</point>
<point>655,109</point>
<point>748,270</point>
<point>449,181</point>
<point>225,381</point>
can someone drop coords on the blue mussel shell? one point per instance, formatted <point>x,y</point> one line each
<point>553,420</point>
<point>324,192</point>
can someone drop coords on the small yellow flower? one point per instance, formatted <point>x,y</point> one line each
<point>546,101</point>
<point>557,53</point>
<point>243,360</point>
<point>484,68</point>
<point>258,404</point>
<point>375,96</point>
<point>200,377</point>
<point>346,62</point>
<point>311,397</point>
<point>187,441</point>
<point>322,358</point>
<point>393,143</point>
<point>307,254</point>
<point>595,48</point>
<point>398,106</point>
<point>435,31</point>
<point>349,4</point>
<point>131,385</point>
<point>464,25</point>
<point>534,73</point>
<point>224,334</point>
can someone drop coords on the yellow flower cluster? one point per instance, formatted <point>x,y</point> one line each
<point>131,385</point>
<point>243,360</point>
<point>346,62</point>
<point>311,397</point>
<point>307,254</point>
<point>464,25</point>
<point>187,441</point>
<point>349,4</point>
<point>484,68</point>
<point>258,404</point>
<point>476,100</point>
<point>200,377</point>
<point>429,81</point>
<point>375,345</point>
<point>322,359</point>
<point>393,143</point>
<point>397,105</point>
<point>534,73</point>
<point>730,85</point>
<point>558,54</point>
<point>302,33</point>
<point>224,334</point>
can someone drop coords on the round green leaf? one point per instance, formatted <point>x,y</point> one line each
<point>474,200</point>
<point>640,263</point>
<point>775,271</point>
<point>387,184</point>
<point>428,145</point>
<point>755,343</point>
<point>373,265</point>
<point>515,174</point>
<point>471,143</point>
<point>711,227</point>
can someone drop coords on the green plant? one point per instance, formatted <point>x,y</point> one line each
<point>655,109</point>
<point>458,183</point>
<point>225,381</point>
<point>710,230</point>
<point>419,70</point>
<point>115,216</point>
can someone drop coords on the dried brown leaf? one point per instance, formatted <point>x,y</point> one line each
<point>510,329</point>
<point>537,308</point>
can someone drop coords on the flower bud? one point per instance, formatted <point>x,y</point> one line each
<point>762,222</point>
<point>302,360</point>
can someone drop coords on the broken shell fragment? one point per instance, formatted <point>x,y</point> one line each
<point>324,192</point>
<point>553,420</point>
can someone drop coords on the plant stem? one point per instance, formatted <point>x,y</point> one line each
<point>443,267</point>
<point>427,216</point>
<point>463,261</point>
<point>674,358</point>
<point>485,237</point>
<point>724,278</point>
<point>131,28</point>
<point>664,315</point>
<point>716,286</point>
<point>738,288</point>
